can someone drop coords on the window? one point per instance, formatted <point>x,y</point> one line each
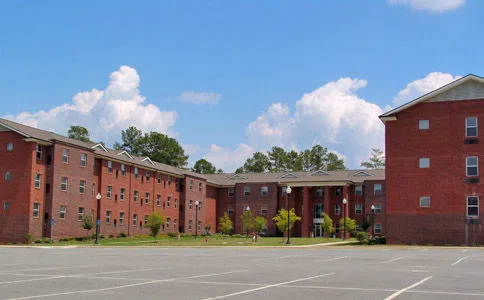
<point>176,203</point>
<point>471,126</point>
<point>378,228</point>
<point>199,225</point>
<point>108,217</point>
<point>9,147</point>
<point>121,218</point>
<point>110,167</point>
<point>158,200</point>
<point>83,159</point>
<point>65,156</point>
<point>93,189</point>
<point>199,205</point>
<point>36,210</point>
<point>123,169</point>
<point>37,181</point>
<point>336,228</point>
<point>358,209</point>
<point>264,191</point>
<point>109,191</point>
<point>159,177</point>
<point>64,183</point>
<point>174,223</point>
<point>471,166</point>
<point>135,219</point>
<point>168,201</point>
<point>191,184</point>
<point>423,124</point>
<point>146,219</point>
<point>168,222</point>
<point>337,191</point>
<point>425,201</point>
<point>358,190</point>
<point>8,176</point>
<point>135,196</point>
<point>284,189</point>
<point>62,212</point>
<point>200,187</point>
<point>230,210</point>
<point>136,173</point>
<point>148,176</point>
<point>38,152</point>
<point>424,162</point>
<point>189,224</point>
<point>169,180</point>
<point>472,206</point>
<point>80,213</point>
<point>190,204</point>
<point>147,198</point>
<point>337,209</point>
<point>246,191</point>
<point>230,192</point>
<point>6,205</point>
<point>263,210</point>
<point>121,194</point>
<point>82,186</point>
<point>377,189</point>
<point>377,209</point>
<point>319,192</point>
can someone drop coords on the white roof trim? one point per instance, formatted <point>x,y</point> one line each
<point>101,146</point>
<point>436,92</point>
<point>319,172</point>
<point>237,176</point>
<point>149,160</point>
<point>125,153</point>
<point>12,129</point>
<point>362,173</point>
<point>289,175</point>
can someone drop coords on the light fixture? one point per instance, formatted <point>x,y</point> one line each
<point>345,201</point>
<point>288,190</point>
<point>98,196</point>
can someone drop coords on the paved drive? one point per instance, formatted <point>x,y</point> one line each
<point>247,273</point>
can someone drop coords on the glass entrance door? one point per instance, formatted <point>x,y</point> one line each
<point>318,231</point>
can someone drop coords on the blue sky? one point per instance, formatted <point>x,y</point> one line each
<point>229,78</point>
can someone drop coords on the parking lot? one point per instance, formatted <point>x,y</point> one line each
<point>241,273</point>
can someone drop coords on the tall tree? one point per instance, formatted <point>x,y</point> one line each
<point>220,171</point>
<point>130,138</point>
<point>258,163</point>
<point>78,133</point>
<point>203,166</point>
<point>377,160</point>
<point>333,162</point>
<point>314,159</point>
<point>294,161</point>
<point>278,159</point>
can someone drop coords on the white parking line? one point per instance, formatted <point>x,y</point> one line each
<point>123,286</point>
<point>267,287</point>
<point>331,259</point>
<point>54,268</point>
<point>394,295</point>
<point>459,260</point>
<point>394,259</point>
<point>465,250</point>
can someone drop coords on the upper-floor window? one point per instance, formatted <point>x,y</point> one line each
<point>472,206</point>
<point>264,191</point>
<point>65,155</point>
<point>378,228</point>
<point>10,147</point>
<point>136,172</point>
<point>83,159</point>
<point>190,204</point>
<point>200,187</point>
<point>377,209</point>
<point>110,167</point>
<point>64,184</point>
<point>199,205</point>
<point>38,152</point>
<point>159,177</point>
<point>123,169</point>
<point>82,186</point>
<point>284,190</point>
<point>158,200</point>
<point>337,191</point>
<point>358,190</point>
<point>168,222</point>
<point>320,192</point>
<point>191,184</point>
<point>121,194</point>
<point>425,201</point>
<point>169,180</point>
<point>6,205</point>
<point>230,210</point>
<point>109,192</point>
<point>337,209</point>
<point>230,192</point>
<point>264,210</point>
<point>148,176</point>
<point>246,191</point>
<point>37,181</point>
<point>168,201</point>
<point>423,124</point>
<point>135,196</point>
<point>176,203</point>
<point>8,176</point>
<point>471,166</point>
<point>62,211</point>
<point>36,210</point>
<point>147,198</point>
<point>377,188</point>
<point>471,126</point>
<point>424,162</point>
<point>358,209</point>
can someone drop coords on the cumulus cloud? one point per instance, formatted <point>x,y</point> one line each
<point>431,5</point>
<point>105,112</point>
<point>228,159</point>
<point>199,97</point>
<point>423,86</point>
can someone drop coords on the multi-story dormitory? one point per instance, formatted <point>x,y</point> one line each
<point>45,176</point>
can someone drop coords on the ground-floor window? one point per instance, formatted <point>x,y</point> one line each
<point>135,219</point>
<point>378,228</point>
<point>472,206</point>
<point>62,212</point>
<point>36,210</point>
<point>80,213</point>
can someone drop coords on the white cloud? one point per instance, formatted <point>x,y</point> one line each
<point>199,97</point>
<point>423,86</point>
<point>105,113</point>
<point>227,159</point>
<point>431,5</point>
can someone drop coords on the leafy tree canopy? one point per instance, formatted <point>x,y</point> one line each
<point>203,166</point>
<point>78,133</point>
<point>376,160</point>
<point>281,219</point>
<point>225,224</point>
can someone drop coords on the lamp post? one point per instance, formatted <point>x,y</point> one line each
<point>98,221</point>
<point>196,218</point>
<point>288,192</point>
<point>372,221</point>
<point>344,218</point>
<point>247,210</point>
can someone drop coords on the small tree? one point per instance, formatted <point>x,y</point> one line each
<point>350,225</point>
<point>376,160</point>
<point>365,225</point>
<point>327,225</point>
<point>281,219</point>
<point>155,220</point>
<point>260,224</point>
<point>225,224</point>
<point>87,223</point>
<point>248,221</point>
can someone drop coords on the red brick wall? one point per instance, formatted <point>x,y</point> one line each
<point>211,208</point>
<point>194,194</point>
<point>444,144</point>
<point>224,201</point>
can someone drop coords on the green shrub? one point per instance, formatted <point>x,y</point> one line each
<point>46,240</point>
<point>102,236</point>
<point>63,240</point>
<point>362,237</point>
<point>111,236</point>
<point>38,241</point>
<point>29,238</point>
<point>122,235</point>
<point>172,234</point>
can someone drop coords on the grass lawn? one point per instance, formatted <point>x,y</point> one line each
<point>215,240</point>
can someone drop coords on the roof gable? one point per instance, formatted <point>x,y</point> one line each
<point>237,176</point>
<point>290,175</point>
<point>99,146</point>
<point>361,173</point>
<point>125,153</point>
<point>148,160</point>
<point>319,172</point>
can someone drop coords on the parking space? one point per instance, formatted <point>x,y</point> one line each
<point>240,273</point>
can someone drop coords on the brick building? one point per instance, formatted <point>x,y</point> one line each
<point>45,176</point>
<point>432,166</point>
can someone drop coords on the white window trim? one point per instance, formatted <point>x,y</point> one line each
<point>467,166</point>
<point>64,152</point>
<point>381,228</point>
<point>36,210</point>
<point>10,147</point>
<point>230,192</point>
<point>375,189</point>
<point>337,209</point>
<point>477,127</point>
<point>65,211</point>
<point>81,185</point>
<point>246,190</point>
<point>356,209</point>
<point>67,184</point>
<point>121,219</point>
<point>122,191</point>
<point>467,206</point>
<point>423,198</point>
<point>420,123</point>
<point>39,181</point>
<point>420,163</point>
